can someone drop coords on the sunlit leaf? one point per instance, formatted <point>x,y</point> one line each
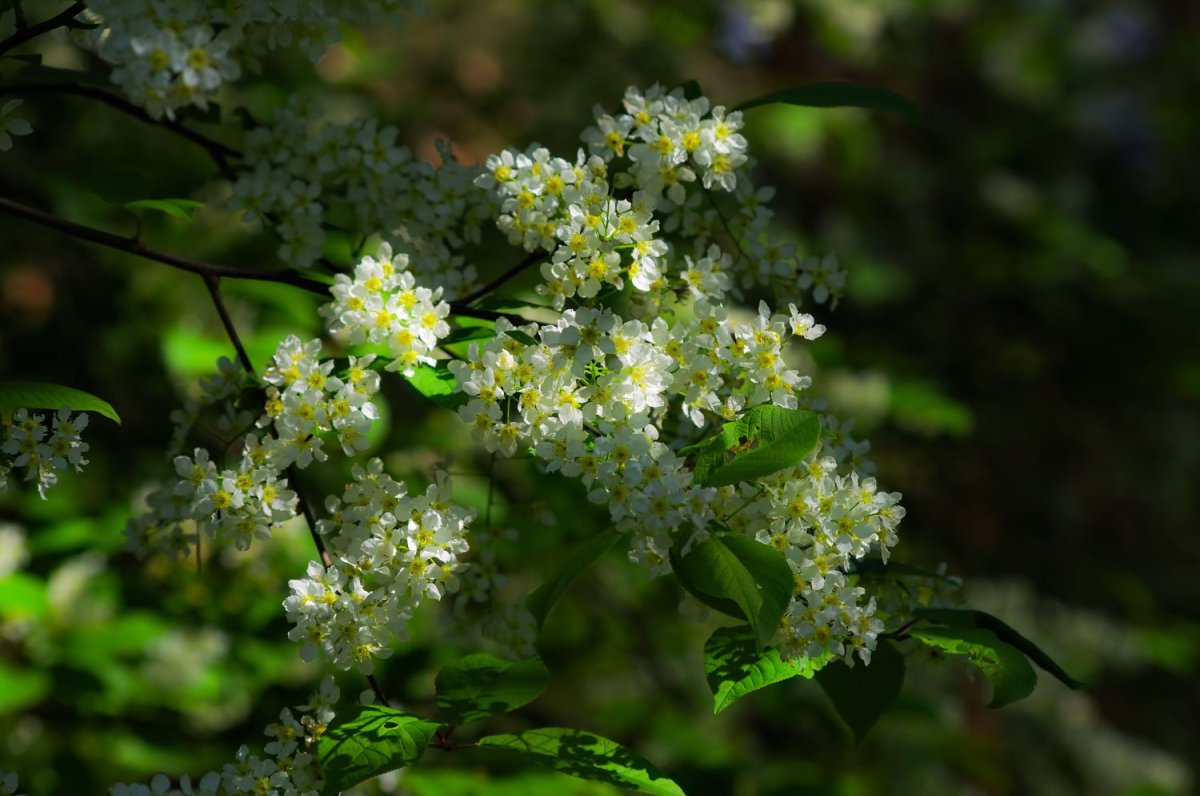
<point>734,666</point>
<point>837,95</point>
<point>16,395</point>
<point>1008,671</point>
<point>370,740</point>
<point>587,756</point>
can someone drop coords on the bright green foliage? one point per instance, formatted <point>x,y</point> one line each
<point>370,741</point>
<point>766,439</point>
<point>37,395</point>
<point>587,756</point>
<point>481,685</point>
<point>1011,676</point>
<point>970,618</point>
<point>739,577</point>
<point>862,694</point>
<point>837,95</point>
<point>438,385</point>
<point>22,597</point>
<point>734,666</point>
<point>545,596</point>
<point>179,208</point>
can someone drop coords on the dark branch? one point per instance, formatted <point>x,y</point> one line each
<point>33,31</point>
<point>134,246</point>
<point>220,153</point>
<point>214,289</point>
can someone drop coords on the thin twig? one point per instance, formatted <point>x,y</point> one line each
<point>33,31</point>
<point>533,258</point>
<point>133,246</point>
<point>213,284</point>
<point>220,153</point>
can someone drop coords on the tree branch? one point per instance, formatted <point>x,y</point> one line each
<point>531,259</point>
<point>33,31</point>
<point>134,246</point>
<point>220,153</point>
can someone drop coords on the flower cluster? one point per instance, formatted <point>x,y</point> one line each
<point>304,168</point>
<point>383,305</point>
<point>171,54</point>
<point>591,394</point>
<point>220,389</point>
<point>41,447</point>
<point>389,552</point>
<point>287,767</point>
<point>305,399</point>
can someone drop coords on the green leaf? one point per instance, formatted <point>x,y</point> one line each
<point>875,567</point>
<point>545,596</point>
<point>479,686</point>
<point>740,577</point>
<point>1008,671</point>
<point>499,303</point>
<point>586,756</point>
<point>29,58</point>
<point>20,688</point>
<point>16,395</point>
<point>734,667</point>
<point>466,334</point>
<point>23,596</point>
<point>523,337</point>
<point>766,439</point>
<point>438,385</point>
<point>370,740</point>
<point>862,694</point>
<point>969,618</point>
<point>837,95</point>
<point>180,208</point>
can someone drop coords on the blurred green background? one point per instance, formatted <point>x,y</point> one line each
<point>1020,339</point>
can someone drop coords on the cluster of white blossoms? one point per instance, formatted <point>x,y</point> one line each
<point>288,764</point>
<point>172,54</point>
<point>307,172</point>
<point>383,305</point>
<point>39,446</point>
<point>389,552</point>
<point>611,400</point>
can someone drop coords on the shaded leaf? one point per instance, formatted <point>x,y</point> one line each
<point>481,685</point>
<point>862,694</point>
<point>837,95</point>
<point>740,577</point>
<point>1008,671</point>
<point>500,303</point>
<point>523,337</point>
<point>734,667</point>
<point>586,756</point>
<point>968,618</point>
<point>545,596</point>
<point>16,395</point>
<point>370,740</point>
